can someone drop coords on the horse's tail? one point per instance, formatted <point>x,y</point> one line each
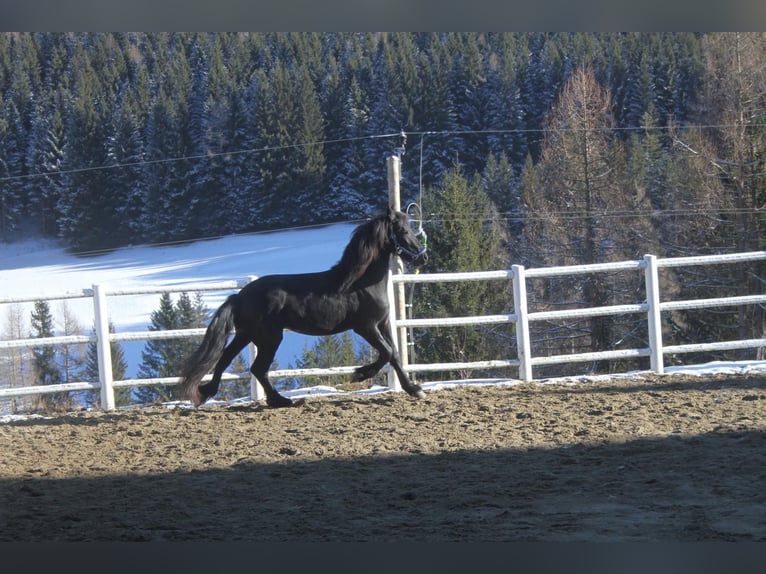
<point>205,356</point>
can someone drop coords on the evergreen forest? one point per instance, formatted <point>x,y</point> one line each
<point>110,139</point>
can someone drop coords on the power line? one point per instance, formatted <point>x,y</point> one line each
<point>442,133</point>
<point>595,214</point>
<point>209,155</point>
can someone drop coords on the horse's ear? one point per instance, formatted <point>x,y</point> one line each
<point>391,214</point>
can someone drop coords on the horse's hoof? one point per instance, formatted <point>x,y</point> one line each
<point>280,402</point>
<point>196,398</point>
<point>417,393</point>
<point>359,375</point>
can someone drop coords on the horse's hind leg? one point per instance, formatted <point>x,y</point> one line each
<point>210,388</point>
<point>367,371</point>
<point>267,348</point>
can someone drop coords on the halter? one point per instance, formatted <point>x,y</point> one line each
<point>402,250</point>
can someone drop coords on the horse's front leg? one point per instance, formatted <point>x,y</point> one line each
<point>379,337</point>
<point>412,389</point>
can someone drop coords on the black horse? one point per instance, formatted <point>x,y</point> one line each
<point>350,295</point>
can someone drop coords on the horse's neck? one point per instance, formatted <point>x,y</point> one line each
<point>378,269</point>
<point>375,274</point>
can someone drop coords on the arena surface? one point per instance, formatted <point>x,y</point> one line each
<point>654,458</point>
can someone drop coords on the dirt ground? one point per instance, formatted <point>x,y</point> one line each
<point>671,458</point>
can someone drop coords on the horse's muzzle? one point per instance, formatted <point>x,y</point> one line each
<point>420,260</point>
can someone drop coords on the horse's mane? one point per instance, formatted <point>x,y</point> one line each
<point>365,246</point>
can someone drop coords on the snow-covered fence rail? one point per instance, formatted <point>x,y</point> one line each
<point>521,318</point>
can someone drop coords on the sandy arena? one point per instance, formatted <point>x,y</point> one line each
<point>671,458</point>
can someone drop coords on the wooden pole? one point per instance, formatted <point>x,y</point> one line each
<point>399,335</point>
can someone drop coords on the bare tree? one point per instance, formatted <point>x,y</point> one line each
<point>732,150</point>
<point>72,357</point>
<point>579,209</point>
<point>14,363</point>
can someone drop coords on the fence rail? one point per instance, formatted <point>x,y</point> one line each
<point>521,317</point>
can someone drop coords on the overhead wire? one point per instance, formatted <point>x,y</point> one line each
<point>205,156</point>
<point>297,145</point>
<point>421,216</point>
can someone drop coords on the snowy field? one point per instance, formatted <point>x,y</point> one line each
<point>40,268</point>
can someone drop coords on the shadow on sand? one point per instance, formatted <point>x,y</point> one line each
<point>707,487</point>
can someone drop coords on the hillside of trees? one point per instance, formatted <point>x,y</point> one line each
<point>108,139</point>
<point>531,148</point>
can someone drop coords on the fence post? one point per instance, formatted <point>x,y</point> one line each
<point>653,314</point>
<point>256,390</point>
<point>103,348</point>
<point>393,381</point>
<point>522,323</point>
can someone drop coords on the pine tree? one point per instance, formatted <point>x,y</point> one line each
<point>500,184</point>
<point>158,357</point>
<point>122,396</point>
<point>540,79</point>
<point>394,89</point>
<point>311,160</point>
<point>162,134</point>
<point>190,314</point>
<point>505,111</point>
<point>45,358</point>
<point>239,174</point>
<point>11,169</point>
<point>88,207</point>
<point>346,109</point>
<point>201,194</point>
<point>470,97</point>
<point>435,111</point>
<point>291,174</point>
<point>46,153</point>
<point>342,349</point>
<point>164,357</point>
<point>125,150</point>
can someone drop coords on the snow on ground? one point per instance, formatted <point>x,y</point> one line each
<point>702,370</point>
<point>40,268</point>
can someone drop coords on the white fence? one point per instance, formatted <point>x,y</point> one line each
<point>521,317</point>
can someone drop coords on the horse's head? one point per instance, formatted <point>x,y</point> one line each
<point>404,240</point>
